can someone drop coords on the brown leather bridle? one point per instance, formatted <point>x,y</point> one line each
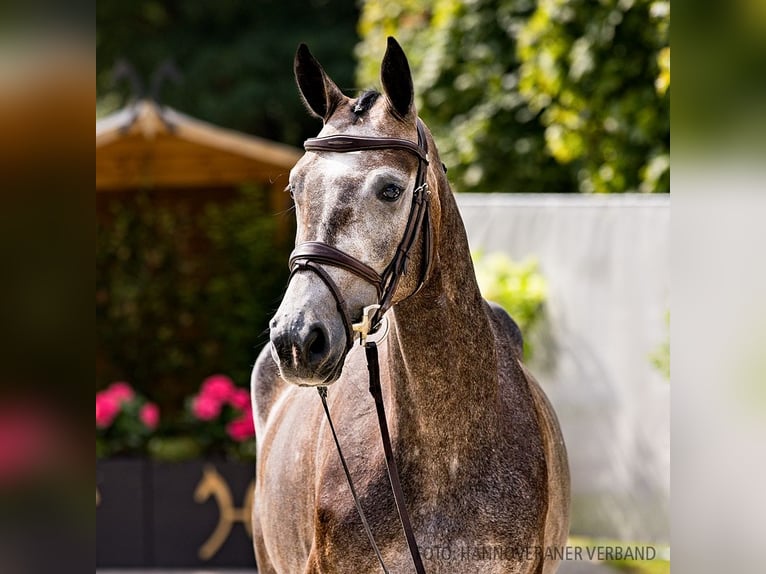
<point>312,255</point>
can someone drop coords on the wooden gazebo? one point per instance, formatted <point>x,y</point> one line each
<point>147,146</point>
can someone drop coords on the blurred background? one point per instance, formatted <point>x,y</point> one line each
<point>553,119</point>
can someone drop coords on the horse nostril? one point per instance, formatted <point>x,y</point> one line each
<point>316,345</point>
<point>302,351</point>
<point>281,344</point>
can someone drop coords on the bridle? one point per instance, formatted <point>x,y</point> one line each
<point>313,255</point>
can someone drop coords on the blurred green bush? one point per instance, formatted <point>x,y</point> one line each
<point>184,289</point>
<point>517,287</point>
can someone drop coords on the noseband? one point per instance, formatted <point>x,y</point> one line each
<point>312,255</point>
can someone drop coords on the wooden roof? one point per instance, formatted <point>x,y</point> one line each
<point>147,145</point>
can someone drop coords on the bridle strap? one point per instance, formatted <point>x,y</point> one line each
<point>329,255</point>
<point>371,350</point>
<point>343,144</point>
<point>324,276</point>
<point>418,219</point>
<point>373,367</point>
<point>365,524</point>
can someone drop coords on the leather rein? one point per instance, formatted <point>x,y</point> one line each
<point>313,255</point>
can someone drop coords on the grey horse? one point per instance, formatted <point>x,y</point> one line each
<point>481,457</point>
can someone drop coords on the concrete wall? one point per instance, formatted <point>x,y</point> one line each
<point>606,260</point>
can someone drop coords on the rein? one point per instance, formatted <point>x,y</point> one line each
<point>312,255</point>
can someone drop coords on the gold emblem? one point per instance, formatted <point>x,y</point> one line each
<point>213,484</point>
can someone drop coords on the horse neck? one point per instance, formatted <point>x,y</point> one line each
<point>443,359</point>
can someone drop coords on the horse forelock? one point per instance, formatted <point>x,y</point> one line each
<point>364,102</point>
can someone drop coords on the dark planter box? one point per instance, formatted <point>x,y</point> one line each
<point>202,514</point>
<point>123,511</point>
<point>185,515</point>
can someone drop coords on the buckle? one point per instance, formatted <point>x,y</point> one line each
<point>426,192</point>
<point>364,326</point>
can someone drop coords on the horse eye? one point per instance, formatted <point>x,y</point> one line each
<point>391,192</point>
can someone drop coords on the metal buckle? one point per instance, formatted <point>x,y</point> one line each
<point>423,188</point>
<point>363,327</point>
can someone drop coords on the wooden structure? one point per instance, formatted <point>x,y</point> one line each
<point>149,146</point>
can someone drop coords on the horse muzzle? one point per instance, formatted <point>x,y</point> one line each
<point>308,341</point>
<point>305,353</point>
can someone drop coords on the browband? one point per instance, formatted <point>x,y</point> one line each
<point>342,144</point>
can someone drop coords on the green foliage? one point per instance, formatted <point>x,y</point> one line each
<point>126,436</point>
<point>184,290</point>
<point>465,70</point>
<point>236,57</point>
<point>600,73</point>
<point>525,96</point>
<point>522,95</point>
<point>174,448</point>
<point>517,287</point>
<point>247,277</point>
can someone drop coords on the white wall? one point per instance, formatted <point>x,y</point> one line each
<point>607,264</point>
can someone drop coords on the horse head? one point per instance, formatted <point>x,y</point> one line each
<point>365,216</point>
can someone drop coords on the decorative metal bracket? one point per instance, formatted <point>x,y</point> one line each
<point>213,484</point>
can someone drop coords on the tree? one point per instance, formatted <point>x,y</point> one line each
<point>236,57</point>
<point>481,71</point>
<point>465,70</point>
<point>600,74</point>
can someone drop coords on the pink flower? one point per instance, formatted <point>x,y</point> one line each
<point>218,387</point>
<point>240,399</point>
<point>107,409</point>
<point>206,408</point>
<point>122,392</point>
<point>150,415</point>
<point>242,428</point>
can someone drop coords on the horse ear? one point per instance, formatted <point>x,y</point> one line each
<point>318,91</point>
<point>396,79</point>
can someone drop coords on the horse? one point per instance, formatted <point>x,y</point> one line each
<point>479,450</point>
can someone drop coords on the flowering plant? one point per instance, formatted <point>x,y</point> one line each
<point>217,421</point>
<point>220,417</point>
<point>124,420</point>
